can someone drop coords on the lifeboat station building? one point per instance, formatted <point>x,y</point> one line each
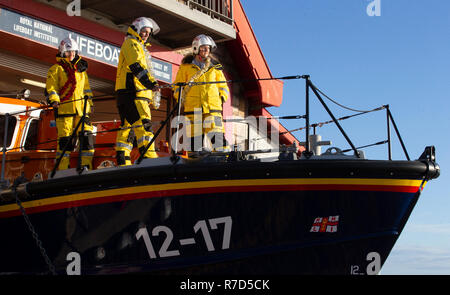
<point>31,30</point>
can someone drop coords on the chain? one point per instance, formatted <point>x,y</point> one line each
<point>50,265</point>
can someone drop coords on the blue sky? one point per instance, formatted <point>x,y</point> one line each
<point>400,58</point>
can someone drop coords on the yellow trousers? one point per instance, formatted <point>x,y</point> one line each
<point>124,142</point>
<point>65,127</point>
<point>209,126</point>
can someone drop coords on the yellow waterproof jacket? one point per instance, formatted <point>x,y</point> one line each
<point>208,97</point>
<point>56,80</point>
<point>133,73</point>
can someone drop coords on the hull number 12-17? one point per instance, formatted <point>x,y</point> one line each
<point>200,226</point>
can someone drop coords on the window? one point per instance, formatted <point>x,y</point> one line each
<point>10,132</point>
<point>32,135</point>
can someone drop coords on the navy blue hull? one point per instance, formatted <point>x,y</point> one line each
<point>268,232</point>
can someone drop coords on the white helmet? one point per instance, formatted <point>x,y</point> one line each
<point>145,22</point>
<point>67,44</point>
<point>203,40</point>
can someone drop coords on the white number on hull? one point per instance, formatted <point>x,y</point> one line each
<point>200,225</point>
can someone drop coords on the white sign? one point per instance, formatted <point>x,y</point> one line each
<point>40,31</point>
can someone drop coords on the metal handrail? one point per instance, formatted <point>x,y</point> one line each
<point>307,153</point>
<point>221,9</point>
<point>389,119</point>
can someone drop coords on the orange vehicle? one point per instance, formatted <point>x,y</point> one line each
<point>30,144</point>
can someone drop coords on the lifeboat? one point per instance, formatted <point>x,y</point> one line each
<point>295,212</point>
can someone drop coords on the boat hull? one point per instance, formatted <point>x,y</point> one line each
<point>289,217</point>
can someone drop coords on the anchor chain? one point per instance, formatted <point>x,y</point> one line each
<point>50,265</point>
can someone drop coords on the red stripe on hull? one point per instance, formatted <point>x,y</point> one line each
<point>195,191</point>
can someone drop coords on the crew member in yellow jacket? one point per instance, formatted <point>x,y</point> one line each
<point>67,85</point>
<point>203,103</point>
<point>134,85</point>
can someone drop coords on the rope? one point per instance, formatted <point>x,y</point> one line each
<point>197,75</point>
<point>335,102</point>
<point>368,145</point>
<point>339,119</point>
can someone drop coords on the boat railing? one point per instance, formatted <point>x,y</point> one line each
<point>311,87</point>
<point>307,153</point>
<point>389,120</point>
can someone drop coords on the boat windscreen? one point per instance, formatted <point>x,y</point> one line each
<point>10,132</point>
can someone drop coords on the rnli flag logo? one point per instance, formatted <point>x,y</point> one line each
<point>325,224</point>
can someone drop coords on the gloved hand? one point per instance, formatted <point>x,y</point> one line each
<point>55,104</point>
<point>82,65</point>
